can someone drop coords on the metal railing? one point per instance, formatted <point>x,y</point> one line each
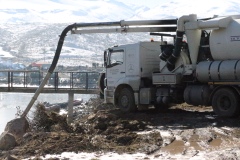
<point>26,80</point>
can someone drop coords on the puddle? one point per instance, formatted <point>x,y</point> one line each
<point>194,140</point>
<point>176,147</point>
<point>215,143</point>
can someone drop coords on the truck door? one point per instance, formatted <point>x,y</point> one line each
<point>115,66</point>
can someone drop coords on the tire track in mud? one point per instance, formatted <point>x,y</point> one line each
<point>190,131</point>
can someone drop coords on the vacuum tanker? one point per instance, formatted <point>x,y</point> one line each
<point>201,67</point>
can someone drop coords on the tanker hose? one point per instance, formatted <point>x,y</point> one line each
<point>167,50</point>
<point>59,47</point>
<point>178,45</point>
<point>51,69</point>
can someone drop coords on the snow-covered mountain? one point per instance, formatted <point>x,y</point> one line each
<point>29,29</point>
<point>30,42</point>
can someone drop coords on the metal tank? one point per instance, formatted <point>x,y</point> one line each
<point>218,71</point>
<point>225,42</point>
<point>197,95</point>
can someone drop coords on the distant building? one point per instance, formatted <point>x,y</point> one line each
<point>35,64</point>
<point>95,65</point>
<point>41,65</point>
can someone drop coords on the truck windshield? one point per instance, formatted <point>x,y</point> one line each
<point>116,57</point>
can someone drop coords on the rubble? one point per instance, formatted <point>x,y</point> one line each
<point>7,141</point>
<point>183,131</point>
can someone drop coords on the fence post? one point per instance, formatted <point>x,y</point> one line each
<point>56,80</point>
<point>70,107</point>
<point>24,79</point>
<point>86,80</point>
<point>39,77</point>
<point>71,79</point>
<point>8,80</point>
<point>11,79</point>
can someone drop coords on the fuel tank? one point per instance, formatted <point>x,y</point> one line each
<point>218,71</point>
<point>225,42</point>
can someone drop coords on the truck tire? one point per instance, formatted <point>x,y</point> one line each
<point>101,84</point>
<point>225,102</point>
<point>126,100</point>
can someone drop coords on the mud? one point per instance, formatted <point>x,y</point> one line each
<point>182,132</point>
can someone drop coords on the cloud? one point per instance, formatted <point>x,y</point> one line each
<point>62,11</point>
<point>31,5</point>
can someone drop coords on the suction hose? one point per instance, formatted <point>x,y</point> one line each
<point>179,37</point>
<point>51,69</point>
<point>177,49</point>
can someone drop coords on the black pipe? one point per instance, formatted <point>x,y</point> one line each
<point>51,69</point>
<point>59,47</point>
<point>177,49</point>
<point>167,50</point>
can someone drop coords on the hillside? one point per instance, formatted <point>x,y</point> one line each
<point>30,42</point>
<point>29,30</point>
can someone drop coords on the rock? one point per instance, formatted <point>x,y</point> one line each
<point>77,102</point>
<point>7,141</point>
<point>9,157</point>
<point>125,139</point>
<point>100,125</point>
<point>18,127</point>
<point>54,108</point>
<point>91,117</point>
<point>134,125</point>
<point>27,136</point>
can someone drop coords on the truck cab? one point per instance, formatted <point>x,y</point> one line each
<point>128,67</point>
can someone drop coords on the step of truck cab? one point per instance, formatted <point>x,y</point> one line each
<point>109,100</point>
<point>109,93</point>
<point>109,96</point>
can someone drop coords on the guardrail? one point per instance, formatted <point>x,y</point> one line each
<point>29,80</point>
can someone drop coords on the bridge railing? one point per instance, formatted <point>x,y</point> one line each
<point>58,80</point>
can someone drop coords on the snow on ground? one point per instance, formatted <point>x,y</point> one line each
<point>201,155</point>
<point>98,156</point>
<point>116,156</point>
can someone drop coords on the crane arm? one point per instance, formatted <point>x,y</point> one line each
<point>168,25</point>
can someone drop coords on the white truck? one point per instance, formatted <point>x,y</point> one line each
<point>202,67</point>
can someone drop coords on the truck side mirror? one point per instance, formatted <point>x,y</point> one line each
<point>105,58</point>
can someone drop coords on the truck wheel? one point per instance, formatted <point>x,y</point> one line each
<point>126,100</point>
<point>225,102</point>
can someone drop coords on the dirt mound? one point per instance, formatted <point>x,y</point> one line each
<point>102,130</point>
<point>183,130</point>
